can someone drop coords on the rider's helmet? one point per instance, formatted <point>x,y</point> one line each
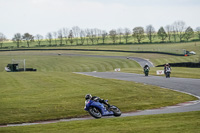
<point>88,96</point>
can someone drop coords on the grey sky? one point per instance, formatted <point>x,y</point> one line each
<point>42,16</point>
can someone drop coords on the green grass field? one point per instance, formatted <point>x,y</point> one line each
<point>51,62</point>
<point>168,47</point>
<point>163,123</point>
<point>157,59</point>
<point>29,96</point>
<point>55,92</point>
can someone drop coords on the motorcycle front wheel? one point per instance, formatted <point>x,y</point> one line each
<point>167,75</point>
<point>116,111</point>
<point>146,73</point>
<point>95,112</point>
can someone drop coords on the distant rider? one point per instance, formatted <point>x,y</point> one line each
<point>95,98</point>
<point>146,67</point>
<point>167,68</point>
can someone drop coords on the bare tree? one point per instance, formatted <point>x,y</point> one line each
<point>120,33</point>
<point>87,32</point>
<point>17,39</point>
<point>174,34</point>
<point>126,34</point>
<point>162,34</point>
<point>198,31</point>
<point>104,35</point>
<point>91,34</point>
<point>180,27</point>
<point>55,37</point>
<point>113,35</point>
<point>150,31</point>
<point>49,37</point>
<point>71,36</point>
<point>138,33</point>
<point>168,29</point>
<point>28,38</point>
<point>60,36</point>
<point>65,34</point>
<point>97,33</point>
<point>38,38</point>
<point>189,33</point>
<point>2,39</point>
<point>76,30</point>
<point>82,36</point>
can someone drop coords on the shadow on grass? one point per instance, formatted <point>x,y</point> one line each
<point>183,64</point>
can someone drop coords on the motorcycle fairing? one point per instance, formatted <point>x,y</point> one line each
<point>98,105</point>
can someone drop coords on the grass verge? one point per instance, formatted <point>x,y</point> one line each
<point>164,123</point>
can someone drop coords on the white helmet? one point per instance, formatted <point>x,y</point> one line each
<point>88,96</point>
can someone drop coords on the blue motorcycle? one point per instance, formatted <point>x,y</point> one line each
<point>97,109</point>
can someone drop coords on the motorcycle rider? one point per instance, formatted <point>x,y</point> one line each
<point>167,67</point>
<point>146,66</point>
<point>95,98</point>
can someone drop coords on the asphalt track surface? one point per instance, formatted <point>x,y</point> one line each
<point>185,85</point>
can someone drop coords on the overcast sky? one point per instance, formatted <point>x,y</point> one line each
<point>43,16</point>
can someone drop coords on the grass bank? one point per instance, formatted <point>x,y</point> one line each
<point>29,96</point>
<point>163,123</point>
<point>50,61</point>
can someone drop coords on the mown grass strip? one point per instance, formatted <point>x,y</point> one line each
<point>163,123</point>
<point>46,63</point>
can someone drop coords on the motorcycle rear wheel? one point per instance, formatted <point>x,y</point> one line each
<point>95,112</point>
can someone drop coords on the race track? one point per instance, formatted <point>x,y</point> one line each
<point>185,85</point>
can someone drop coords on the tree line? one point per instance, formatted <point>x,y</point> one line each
<point>178,31</point>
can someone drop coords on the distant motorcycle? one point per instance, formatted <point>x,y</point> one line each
<point>97,109</point>
<point>168,72</point>
<point>146,71</point>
